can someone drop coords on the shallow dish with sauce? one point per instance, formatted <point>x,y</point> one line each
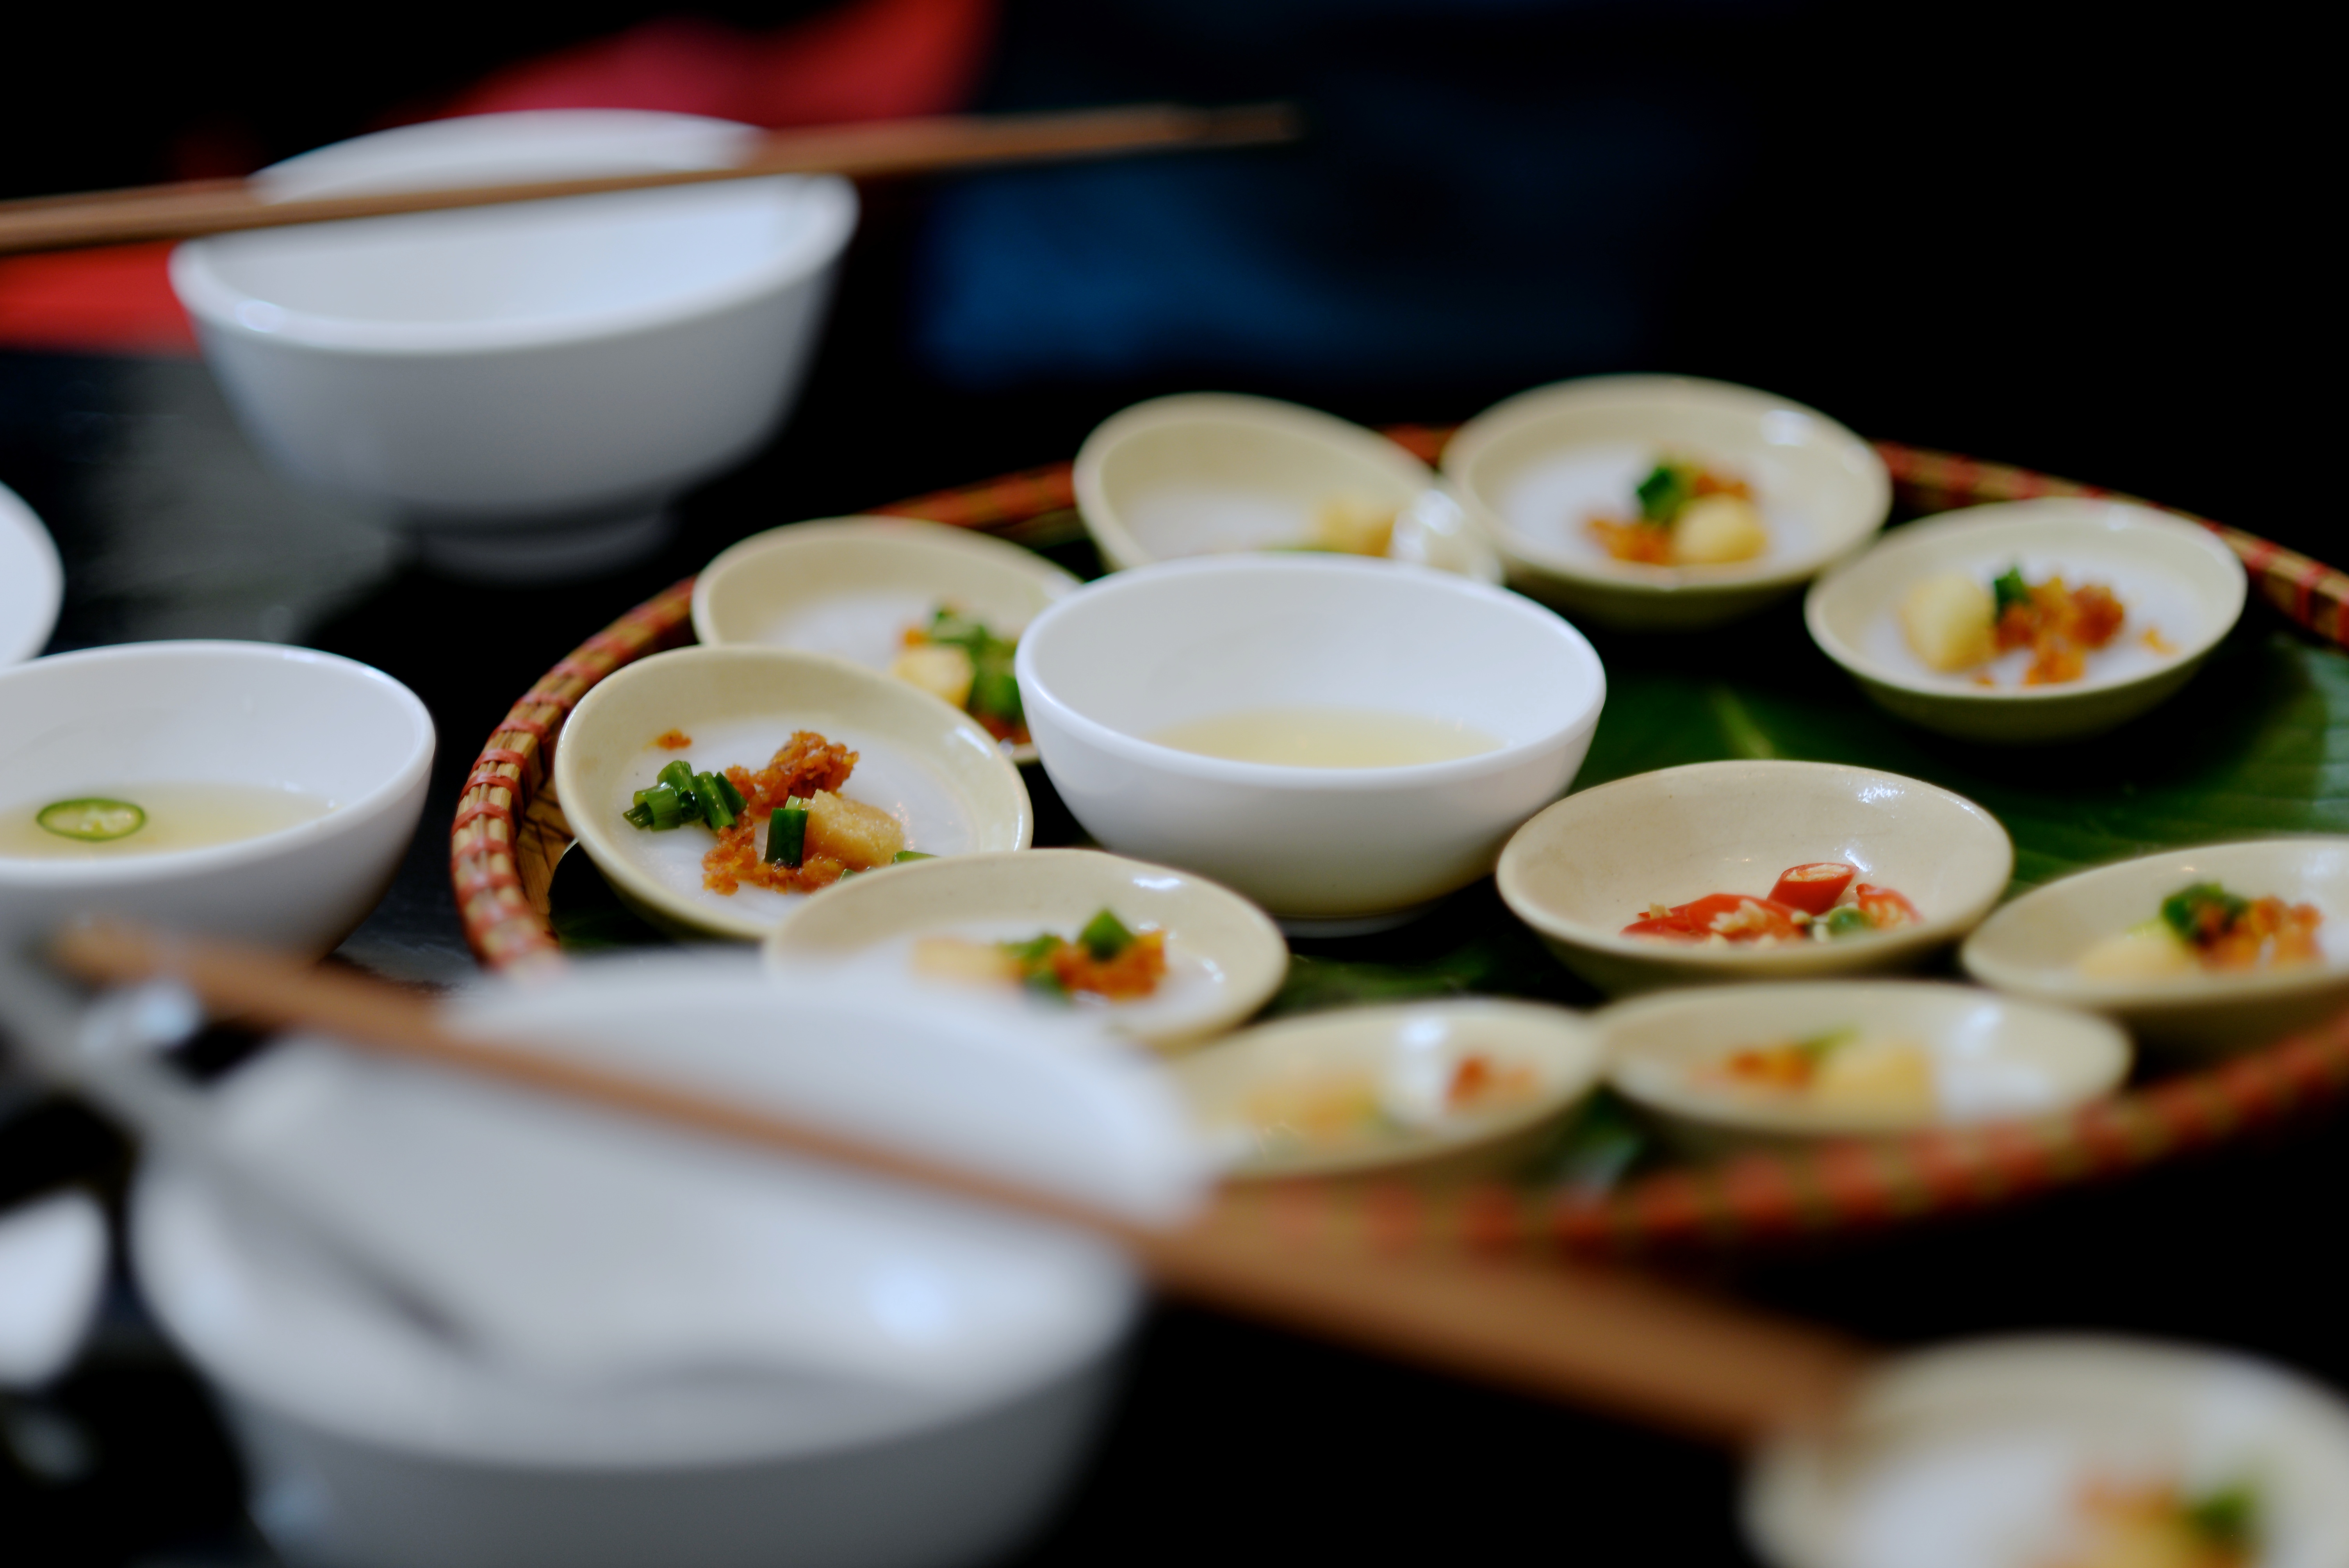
<point>242,789</point>
<point>1538,469</point>
<point>1208,472</point>
<point>2063,1451</point>
<point>940,781</point>
<point>935,924</point>
<point>1622,854</point>
<point>857,586</point>
<point>1734,1063</point>
<point>2180,590</point>
<point>1442,1089</point>
<point>2100,940</point>
<point>1341,740</point>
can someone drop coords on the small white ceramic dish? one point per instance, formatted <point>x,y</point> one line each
<point>686,1352</point>
<point>1223,957</point>
<point>1989,1057</point>
<point>253,720</point>
<point>2174,579</point>
<point>1593,863</point>
<point>1537,468</point>
<point>526,385</point>
<point>1322,848</point>
<point>52,1265</point>
<point>1209,472</point>
<point>932,769</point>
<point>1393,1069</point>
<point>32,583</point>
<point>1977,1455</point>
<point>2033,946</point>
<point>852,586</point>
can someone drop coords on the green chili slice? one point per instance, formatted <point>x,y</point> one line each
<point>93,820</point>
<point>787,836</point>
<point>1848,920</point>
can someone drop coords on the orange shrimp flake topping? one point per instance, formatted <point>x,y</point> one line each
<point>805,764</point>
<point>672,740</point>
<point>2061,627</point>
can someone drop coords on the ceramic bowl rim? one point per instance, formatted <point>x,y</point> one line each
<point>1282,777</point>
<point>831,211</point>
<point>1289,420</point>
<point>412,768</point>
<point>1733,960</point>
<point>590,831</point>
<point>2126,517</point>
<point>1505,418</point>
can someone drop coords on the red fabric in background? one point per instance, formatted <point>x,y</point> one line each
<point>871,59</point>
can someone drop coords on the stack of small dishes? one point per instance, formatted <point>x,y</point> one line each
<point>1208,473</point>
<point>870,589</point>
<point>1917,620</point>
<point>1642,454</point>
<point>926,779</point>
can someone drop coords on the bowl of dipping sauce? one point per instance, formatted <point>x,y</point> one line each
<point>1207,474</point>
<point>523,386</point>
<point>1342,741</point>
<point>244,789</point>
<point>1651,502</point>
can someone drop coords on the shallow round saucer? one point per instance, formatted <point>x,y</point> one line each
<point>1978,1453</point>
<point>929,765</point>
<point>1591,865</point>
<point>1535,469</point>
<point>32,583</point>
<point>2175,579</point>
<point>1993,1058</point>
<point>1225,957</point>
<point>1206,473</point>
<point>2033,946</point>
<point>852,586</point>
<point>1412,1051</point>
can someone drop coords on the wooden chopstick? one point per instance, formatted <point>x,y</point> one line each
<point>1574,1332</point>
<point>869,150</point>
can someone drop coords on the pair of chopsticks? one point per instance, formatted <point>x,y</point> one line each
<point>1572,1332</point>
<point>865,151</point>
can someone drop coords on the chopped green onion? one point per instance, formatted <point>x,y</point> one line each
<point>1045,983</point>
<point>679,776</point>
<point>997,691</point>
<point>904,857</point>
<point>710,792</point>
<point>2010,589</point>
<point>1105,936</point>
<point>1848,920</point>
<point>1667,489</point>
<point>725,789</point>
<point>787,836</point>
<point>638,815</point>
<point>2182,911</point>
<point>93,820</point>
<point>1033,951</point>
<point>2228,1519</point>
<point>663,809</point>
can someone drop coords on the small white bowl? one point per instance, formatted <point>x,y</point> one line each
<point>1323,849</point>
<point>1591,865</point>
<point>932,768</point>
<point>32,583</point>
<point>2172,577</point>
<point>525,385</point>
<point>1975,1455</point>
<point>1209,472</point>
<point>252,716</point>
<point>2033,946</point>
<point>1537,468</point>
<point>1224,958</point>
<point>1407,1057</point>
<point>1991,1058</point>
<point>852,586</point>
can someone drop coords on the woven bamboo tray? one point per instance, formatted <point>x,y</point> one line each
<point>510,831</point>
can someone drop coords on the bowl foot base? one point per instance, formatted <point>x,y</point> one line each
<point>556,552</point>
<point>1351,925</point>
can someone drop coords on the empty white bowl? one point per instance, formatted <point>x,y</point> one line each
<point>1977,1456</point>
<point>684,1351</point>
<point>1204,473</point>
<point>2033,947</point>
<point>2174,578</point>
<point>525,385</point>
<point>1309,639</point>
<point>275,726</point>
<point>1535,469</point>
<point>1596,861</point>
<point>1989,1057</point>
<point>32,583</point>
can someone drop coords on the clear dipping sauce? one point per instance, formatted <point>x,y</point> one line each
<point>1328,737</point>
<point>178,817</point>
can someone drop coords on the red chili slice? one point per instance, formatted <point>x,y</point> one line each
<point>1885,908</point>
<point>1814,888</point>
<point>1740,917</point>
